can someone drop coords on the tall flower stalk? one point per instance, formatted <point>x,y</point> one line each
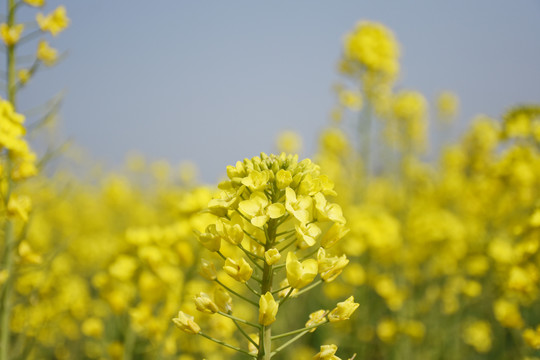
<point>17,160</point>
<point>271,215</point>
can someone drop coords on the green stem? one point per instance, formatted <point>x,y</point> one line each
<point>289,342</point>
<point>245,334</point>
<point>315,284</point>
<point>265,334</point>
<point>234,318</point>
<point>297,331</point>
<point>226,345</point>
<point>237,294</point>
<point>9,243</point>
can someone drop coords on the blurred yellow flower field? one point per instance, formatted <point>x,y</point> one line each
<point>365,250</point>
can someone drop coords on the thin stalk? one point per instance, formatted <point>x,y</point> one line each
<point>226,345</point>
<point>289,343</point>
<point>9,245</point>
<point>294,332</point>
<point>286,296</point>
<point>245,334</point>
<point>315,284</point>
<point>252,289</point>
<point>237,294</point>
<point>234,318</point>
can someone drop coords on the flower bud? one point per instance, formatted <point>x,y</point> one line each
<point>185,323</point>
<point>268,309</point>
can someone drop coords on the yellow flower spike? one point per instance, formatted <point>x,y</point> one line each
<point>268,309</point>
<point>330,267</point>
<point>307,235</point>
<point>336,232</point>
<point>255,208</point>
<point>343,310</point>
<point>186,323</point>
<point>11,35</point>
<point>272,256</point>
<point>299,207</point>
<point>46,54</point>
<point>223,299</point>
<point>327,353</point>
<point>238,269</point>
<point>19,206</point>
<point>316,318</point>
<point>256,180</point>
<point>35,3</point>
<point>204,303</point>
<point>54,22</point>
<point>210,239</point>
<point>300,274</point>
<point>283,179</point>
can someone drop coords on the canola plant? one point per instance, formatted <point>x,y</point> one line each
<point>368,251</point>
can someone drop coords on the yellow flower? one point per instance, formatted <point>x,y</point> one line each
<point>330,267</point>
<point>223,300</point>
<point>272,256</point>
<point>373,47</point>
<point>299,207</point>
<point>208,270</point>
<point>283,179</point>
<point>238,269</point>
<point>300,274</point>
<point>316,318</point>
<point>19,206</point>
<point>54,22</point>
<point>210,239</point>
<point>327,353</point>
<point>93,327</point>
<point>185,323</point>
<point>204,303</point>
<point>478,335</point>
<point>11,35</point>
<point>46,54</point>
<point>255,208</point>
<point>257,180</point>
<point>268,309</point>
<point>343,310</point>
<point>532,337</point>
<point>507,313</point>
<point>306,235</point>
<point>336,232</point>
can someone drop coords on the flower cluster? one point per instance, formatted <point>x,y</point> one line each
<point>272,214</point>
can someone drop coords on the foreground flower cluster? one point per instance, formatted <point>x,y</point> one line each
<point>268,232</point>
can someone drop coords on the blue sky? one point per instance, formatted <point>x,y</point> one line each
<point>215,81</point>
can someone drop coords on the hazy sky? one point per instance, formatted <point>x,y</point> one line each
<point>216,81</point>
